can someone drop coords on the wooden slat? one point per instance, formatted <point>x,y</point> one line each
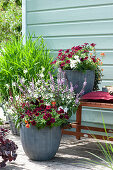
<point>87,135</point>
<point>104,27</point>
<point>53,4</point>
<point>73,125</point>
<point>69,15</point>
<point>103,42</point>
<point>107,73</point>
<point>98,105</point>
<point>106,83</point>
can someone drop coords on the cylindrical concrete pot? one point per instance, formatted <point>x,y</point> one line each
<point>78,77</point>
<point>40,144</point>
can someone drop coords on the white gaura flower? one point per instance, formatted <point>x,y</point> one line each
<point>43,69</point>
<point>36,95</point>
<point>17,97</point>
<point>25,71</point>
<point>42,75</point>
<point>7,85</point>
<point>13,84</point>
<point>23,80</point>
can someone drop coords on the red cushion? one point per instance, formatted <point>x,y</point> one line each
<point>97,95</point>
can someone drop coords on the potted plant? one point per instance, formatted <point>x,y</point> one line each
<point>80,62</point>
<point>40,111</point>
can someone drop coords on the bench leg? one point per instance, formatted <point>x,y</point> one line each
<point>78,121</point>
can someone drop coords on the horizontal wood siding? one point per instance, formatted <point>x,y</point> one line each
<point>36,5</point>
<point>67,23</point>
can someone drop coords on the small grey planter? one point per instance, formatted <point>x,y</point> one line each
<point>40,144</point>
<point>78,77</point>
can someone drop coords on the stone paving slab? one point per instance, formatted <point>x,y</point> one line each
<point>70,156</point>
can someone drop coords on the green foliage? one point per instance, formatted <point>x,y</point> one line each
<point>25,61</point>
<point>10,19</point>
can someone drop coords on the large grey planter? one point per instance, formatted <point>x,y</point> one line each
<point>40,145</point>
<point>78,77</point>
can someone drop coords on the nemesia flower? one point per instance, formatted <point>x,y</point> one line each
<point>27,125</point>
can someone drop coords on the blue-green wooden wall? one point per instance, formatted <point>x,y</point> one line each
<point>65,23</point>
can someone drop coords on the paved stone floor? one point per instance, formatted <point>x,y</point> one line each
<point>72,155</point>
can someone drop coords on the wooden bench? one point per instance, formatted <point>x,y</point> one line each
<point>77,125</point>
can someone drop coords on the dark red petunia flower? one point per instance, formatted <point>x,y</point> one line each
<point>86,43</point>
<point>67,51</point>
<point>42,107</point>
<point>61,116</point>
<point>22,116</point>
<point>41,101</point>
<point>62,64</point>
<point>94,60</point>
<point>68,61</point>
<point>48,123</point>
<point>37,114</point>
<point>85,58</point>
<point>52,120</point>
<point>66,116</point>
<point>48,107</point>
<point>69,55</point>
<point>93,44</point>
<point>33,122</point>
<point>53,62</point>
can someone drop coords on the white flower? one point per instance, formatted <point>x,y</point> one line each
<point>13,84</point>
<point>60,108</point>
<point>76,57</point>
<point>29,90</point>
<point>73,63</point>
<point>42,75</point>
<point>36,95</point>
<point>25,71</point>
<point>17,97</point>
<point>7,85</point>
<point>43,69</point>
<point>23,80</point>
<point>65,109</point>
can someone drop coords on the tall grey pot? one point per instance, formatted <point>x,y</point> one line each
<point>78,77</point>
<point>40,144</point>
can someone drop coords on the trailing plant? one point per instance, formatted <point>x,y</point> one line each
<point>81,58</point>
<point>7,148</point>
<point>22,61</point>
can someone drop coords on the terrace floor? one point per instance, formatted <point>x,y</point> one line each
<point>72,155</point>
